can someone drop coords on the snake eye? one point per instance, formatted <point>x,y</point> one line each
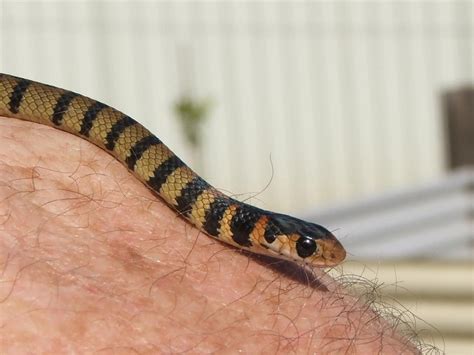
<point>270,238</point>
<point>305,247</point>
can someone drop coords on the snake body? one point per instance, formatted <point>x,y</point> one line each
<point>152,162</point>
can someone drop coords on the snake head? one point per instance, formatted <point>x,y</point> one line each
<point>301,241</point>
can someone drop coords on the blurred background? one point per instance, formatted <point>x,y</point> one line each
<point>357,115</point>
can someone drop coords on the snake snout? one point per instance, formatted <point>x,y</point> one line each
<point>333,252</point>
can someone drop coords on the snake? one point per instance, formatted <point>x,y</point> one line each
<point>210,210</point>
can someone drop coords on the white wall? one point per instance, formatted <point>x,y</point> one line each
<point>344,96</point>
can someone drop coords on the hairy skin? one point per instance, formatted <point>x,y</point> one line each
<point>92,262</point>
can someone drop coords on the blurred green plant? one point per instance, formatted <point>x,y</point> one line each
<point>192,113</point>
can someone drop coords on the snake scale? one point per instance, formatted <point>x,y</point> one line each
<point>152,162</point>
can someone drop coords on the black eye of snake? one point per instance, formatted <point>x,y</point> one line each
<point>305,247</point>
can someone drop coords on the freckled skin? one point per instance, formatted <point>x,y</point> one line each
<point>214,213</point>
<point>148,284</point>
